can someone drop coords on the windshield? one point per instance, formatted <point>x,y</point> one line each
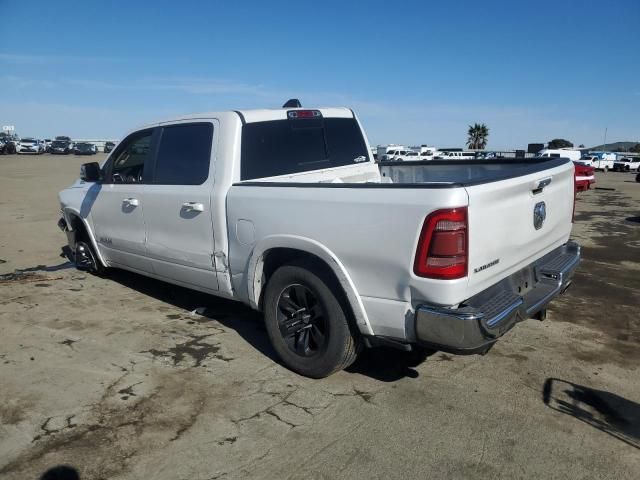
<point>30,140</point>
<point>58,143</point>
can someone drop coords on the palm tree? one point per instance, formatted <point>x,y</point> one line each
<point>478,133</point>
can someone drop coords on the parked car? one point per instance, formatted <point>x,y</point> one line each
<point>70,143</point>
<point>599,162</point>
<point>410,156</point>
<point>387,152</point>
<point>560,153</point>
<point>627,164</point>
<point>456,156</point>
<point>47,144</point>
<point>10,141</point>
<point>584,176</point>
<point>60,147</point>
<point>30,145</point>
<point>3,146</point>
<point>287,228</point>
<point>84,148</point>
<point>428,153</point>
<point>108,146</point>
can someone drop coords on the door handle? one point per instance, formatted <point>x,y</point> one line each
<point>132,202</point>
<point>193,206</point>
<point>539,185</point>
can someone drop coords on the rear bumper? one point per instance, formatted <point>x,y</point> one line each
<point>481,320</point>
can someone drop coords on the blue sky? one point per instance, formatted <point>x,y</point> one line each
<point>415,72</point>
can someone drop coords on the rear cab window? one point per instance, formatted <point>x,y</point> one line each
<point>281,147</point>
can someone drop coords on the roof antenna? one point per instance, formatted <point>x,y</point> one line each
<point>292,103</point>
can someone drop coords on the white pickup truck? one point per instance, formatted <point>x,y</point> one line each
<point>285,211</point>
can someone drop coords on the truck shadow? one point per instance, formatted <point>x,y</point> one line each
<point>383,364</point>
<point>605,411</point>
<point>234,315</point>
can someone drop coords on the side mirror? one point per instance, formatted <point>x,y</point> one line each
<point>90,172</point>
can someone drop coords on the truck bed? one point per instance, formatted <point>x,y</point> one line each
<point>464,173</point>
<point>372,227</point>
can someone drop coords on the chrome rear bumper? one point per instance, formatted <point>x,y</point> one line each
<point>481,320</point>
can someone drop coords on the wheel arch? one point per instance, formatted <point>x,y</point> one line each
<point>75,222</point>
<point>275,251</point>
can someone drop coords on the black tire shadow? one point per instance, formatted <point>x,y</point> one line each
<point>605,411</point>
<point>388,364</point>
<point>61,472</point>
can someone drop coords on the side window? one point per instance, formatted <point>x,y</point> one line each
<point>184,154</point>
<point>128,162</point>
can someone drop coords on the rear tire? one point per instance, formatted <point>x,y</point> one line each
<point>306,322</point>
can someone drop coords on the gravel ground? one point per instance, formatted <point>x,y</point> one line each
<point>116,378</point>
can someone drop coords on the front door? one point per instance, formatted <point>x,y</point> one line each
<point>118,211</point>
<point>178,213</point>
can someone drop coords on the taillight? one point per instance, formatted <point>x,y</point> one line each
<point>443,246</point>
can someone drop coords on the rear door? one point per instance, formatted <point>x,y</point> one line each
<point>513,222</point>
<point>178,213</point>
<point>116,206</point>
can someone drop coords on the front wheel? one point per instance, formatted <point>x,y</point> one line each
<point>86,259</point>
<point>306,323</point>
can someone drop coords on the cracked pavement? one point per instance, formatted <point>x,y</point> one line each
<point>125,377</point>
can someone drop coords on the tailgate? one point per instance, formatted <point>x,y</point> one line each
<point>503,236</point>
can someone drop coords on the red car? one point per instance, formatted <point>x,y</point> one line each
<point>585,177</point>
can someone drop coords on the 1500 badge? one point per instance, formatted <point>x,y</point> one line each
<point>487,265</point>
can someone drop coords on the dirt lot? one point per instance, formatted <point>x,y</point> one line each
<point>116,378</point>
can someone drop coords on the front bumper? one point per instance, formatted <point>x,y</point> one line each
<point>481,320</point>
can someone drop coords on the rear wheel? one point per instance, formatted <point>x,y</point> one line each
<point>307,325</point>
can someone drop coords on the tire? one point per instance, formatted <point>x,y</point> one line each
<point>307,324</point>
<point>638,178</point>
<point>605,169</point>
<point>85,257</point>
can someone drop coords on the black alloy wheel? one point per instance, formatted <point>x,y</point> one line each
<point>301,320</point>
<point>308,319</point>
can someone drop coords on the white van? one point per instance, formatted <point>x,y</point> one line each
<point>387,152</point>
<point>599,161</point>
<point>569,153</point>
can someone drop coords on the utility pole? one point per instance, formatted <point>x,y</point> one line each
<point>604,149</point>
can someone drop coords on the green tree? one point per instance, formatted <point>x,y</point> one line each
<point>560,143</point>
<point>635,148</point>
<point>478,134</point>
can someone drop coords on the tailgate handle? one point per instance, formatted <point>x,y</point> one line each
<point>539,185</point>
